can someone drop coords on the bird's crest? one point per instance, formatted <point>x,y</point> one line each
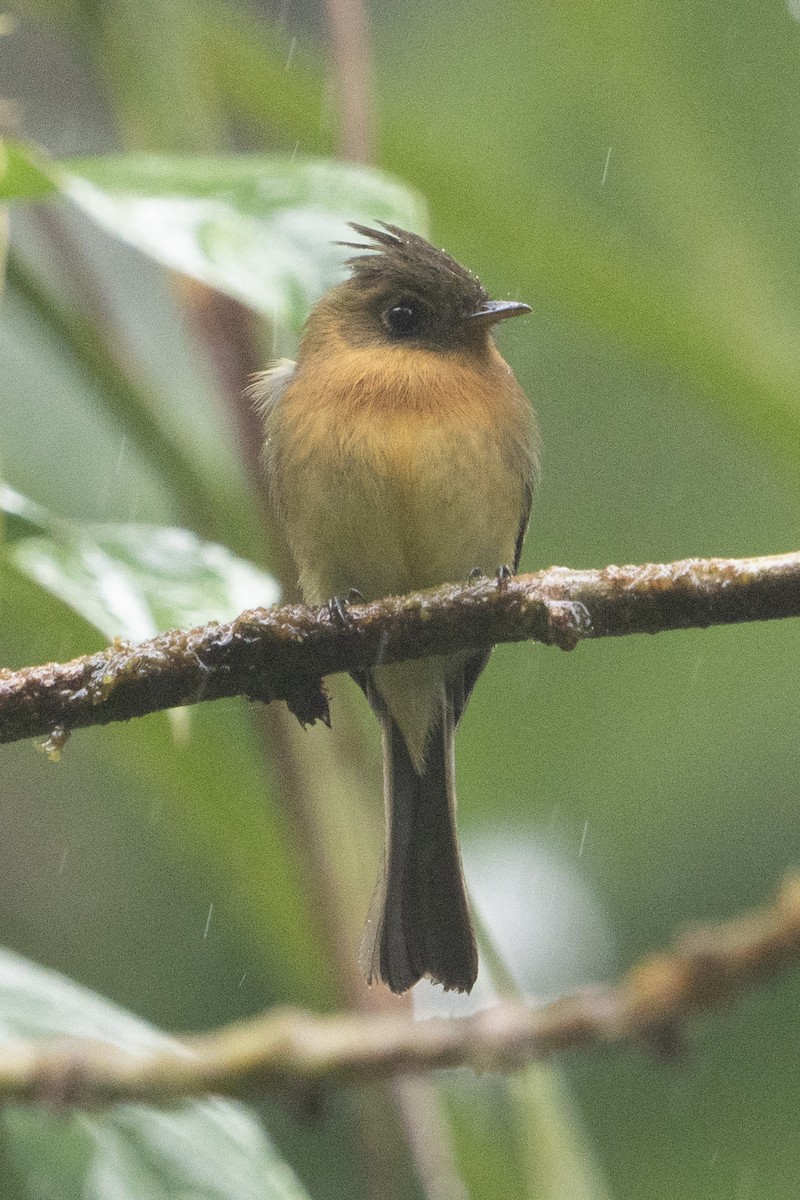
<point>404,261</point>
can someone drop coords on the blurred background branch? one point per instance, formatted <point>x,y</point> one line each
<point>349,41</point>
<point>289,1051</point>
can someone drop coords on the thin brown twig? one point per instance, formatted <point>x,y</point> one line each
<point>282,653</point>
<point>347,27</point>
<point>286,1050</point>
<point>430,1137</point>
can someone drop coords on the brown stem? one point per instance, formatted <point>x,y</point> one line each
<point>347,27</point>
<point>430,1139</point>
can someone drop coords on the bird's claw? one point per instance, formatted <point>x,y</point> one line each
<point>337,611</point>
<point>502,575</point>
<point>338,605</point>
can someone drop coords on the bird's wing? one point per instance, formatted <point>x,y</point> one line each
<point>459,689</point>
<point>268,386</point>
<point>523,524</point>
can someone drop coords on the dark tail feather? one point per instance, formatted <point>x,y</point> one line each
<point>419,924</point>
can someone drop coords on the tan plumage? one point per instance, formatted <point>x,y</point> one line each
<point>398,461</point>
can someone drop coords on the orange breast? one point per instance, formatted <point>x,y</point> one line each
<point>412,383</point>
<point>399,469</point>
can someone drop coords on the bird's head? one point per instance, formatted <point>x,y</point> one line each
<point>403,291</point>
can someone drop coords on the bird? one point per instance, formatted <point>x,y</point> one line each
<point>402,453</point>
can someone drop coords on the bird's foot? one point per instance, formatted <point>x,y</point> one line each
<point>502,575</point>
<point>338,605</point>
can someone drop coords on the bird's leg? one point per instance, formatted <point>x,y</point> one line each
<point>502,575</point>
<point>338,605</point>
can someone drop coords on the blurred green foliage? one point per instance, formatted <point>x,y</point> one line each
<point>210,1148</point>
<point>631,171</point>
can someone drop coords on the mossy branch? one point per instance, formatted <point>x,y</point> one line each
<point>282,653</point>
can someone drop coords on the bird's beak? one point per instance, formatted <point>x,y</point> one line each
<point>497,310</point>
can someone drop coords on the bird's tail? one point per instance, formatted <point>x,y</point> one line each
<point>419,923</point>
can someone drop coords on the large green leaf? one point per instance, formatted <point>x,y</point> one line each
<point>25,173</point>
<point>207,1150</point>
<point>132,581</point>
<point>261,229</point>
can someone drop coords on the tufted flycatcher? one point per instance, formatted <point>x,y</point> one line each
<point>401,453</point>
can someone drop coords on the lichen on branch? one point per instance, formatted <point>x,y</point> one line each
<point>283,653</point>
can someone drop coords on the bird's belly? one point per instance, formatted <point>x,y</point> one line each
<point>400,514</point>
<point>404,508</point>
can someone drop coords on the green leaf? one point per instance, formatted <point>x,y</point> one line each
<point>132,581</point>
<point>25,173</point>
<point>22,515</point>
<point>260,229</point>
<point>209,1150</point>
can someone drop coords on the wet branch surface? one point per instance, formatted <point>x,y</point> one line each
<point>282,653</point>
<point>290,1051</point>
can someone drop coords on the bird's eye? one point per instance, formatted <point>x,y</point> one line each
<point>404,318</point>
